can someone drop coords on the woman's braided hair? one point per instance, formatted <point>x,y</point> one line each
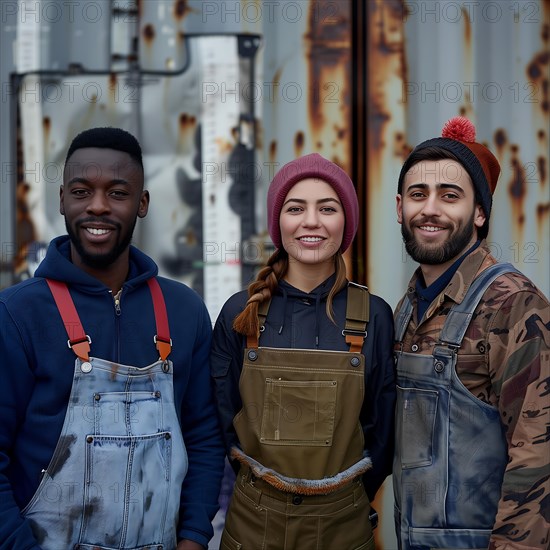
<point>267,280</point>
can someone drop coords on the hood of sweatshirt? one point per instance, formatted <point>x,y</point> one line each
<point>57,265</point>
<point>316,297</point>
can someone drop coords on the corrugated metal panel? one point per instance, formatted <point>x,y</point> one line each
<point>489,61</point>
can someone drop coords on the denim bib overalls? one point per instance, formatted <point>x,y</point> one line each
<point>451,451</point>
<point>114,481</point>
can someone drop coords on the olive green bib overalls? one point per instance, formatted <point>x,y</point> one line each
<point>302,445</point>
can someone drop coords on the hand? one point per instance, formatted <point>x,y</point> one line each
<point>189,545</point>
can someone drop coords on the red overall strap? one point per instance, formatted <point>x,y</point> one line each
<point>80,341</point>
<point>162,338</point>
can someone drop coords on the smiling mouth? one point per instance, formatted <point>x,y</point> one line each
<point>95,231</point>
<point>431,228</point>
<point>310,239</point>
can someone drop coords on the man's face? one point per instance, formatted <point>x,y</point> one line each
<point>437,212</point>
<point>101,198</point>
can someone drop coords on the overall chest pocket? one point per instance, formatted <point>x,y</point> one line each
<point>126,511</point>
<point>415,424</point>
<point>128,413</point>
<point>299,412</point>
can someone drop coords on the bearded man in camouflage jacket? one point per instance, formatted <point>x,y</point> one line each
<point>472,463</point>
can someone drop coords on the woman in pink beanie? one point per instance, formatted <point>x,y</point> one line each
<point>304,375</point>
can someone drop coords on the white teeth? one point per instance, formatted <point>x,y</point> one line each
<point>431,228</point>
<point>94,231</point>
<point>311,239</point>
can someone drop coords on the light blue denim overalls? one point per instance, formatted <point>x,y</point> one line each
<point>450,447</point>
<point>115,478</point>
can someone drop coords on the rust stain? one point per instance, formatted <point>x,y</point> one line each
<point>328,54</point>
<point>149,34</point>
<point>299,141</point>
<point>517,187</point>
<point>467,27</point>
<point>47,123</point>
<point>500,140</point>
<point>386,54</point>
<point>541,135</point>
<point>113,84</point>
<point>541,164</point>
<point>259,134</point>
<point>181,9</point>
<point>272,151</point>
<point>537,71</point>
<point>187,121</point>
<point>543,210</point>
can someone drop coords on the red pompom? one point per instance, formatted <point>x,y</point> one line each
<point>459,128</point>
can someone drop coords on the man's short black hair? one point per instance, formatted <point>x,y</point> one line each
<point>107,138</point>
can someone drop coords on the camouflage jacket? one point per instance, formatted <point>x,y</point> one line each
<point>504,360</point>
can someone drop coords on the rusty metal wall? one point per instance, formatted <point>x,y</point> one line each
<point>429,61</point>
<point>405,66</point>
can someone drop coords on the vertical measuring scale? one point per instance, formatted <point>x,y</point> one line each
<point>220,115</point>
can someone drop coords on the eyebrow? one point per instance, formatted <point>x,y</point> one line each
<point>320,201</point>
<point>438,186</point>
<point>116,181</point>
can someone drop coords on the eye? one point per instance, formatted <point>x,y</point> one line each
<point>118,193</point>
<point>294,209</point>
<point>451,196</point>
<point>329,209</point>
<point>79,192</point>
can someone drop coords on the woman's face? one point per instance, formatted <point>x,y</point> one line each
<point>312,222</point>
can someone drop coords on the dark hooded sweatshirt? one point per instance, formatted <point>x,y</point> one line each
<point>36,372</point>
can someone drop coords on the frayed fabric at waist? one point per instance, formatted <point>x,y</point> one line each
<point>306,487</point>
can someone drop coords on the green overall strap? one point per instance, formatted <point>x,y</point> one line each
<point>252,342</point>
<point>357,316</point>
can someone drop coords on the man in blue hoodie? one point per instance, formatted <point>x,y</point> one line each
<point>108,432</point>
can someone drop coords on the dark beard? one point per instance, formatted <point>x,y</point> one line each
<point>100,261</point>
<point>438,255</point>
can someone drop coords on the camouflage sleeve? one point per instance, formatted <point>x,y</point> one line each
<point>519,365</point>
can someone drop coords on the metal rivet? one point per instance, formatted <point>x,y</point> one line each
<point>165,366</point>
<point>355,361</point>
<point>481,347</point>
<point>167,436</point>
<point>89,439</point>
<point>439,366</point>
<point>157,394</point>
<point>86,367</point>
<point>414,347</point>
<point>97,397</point>
<point>252,355</point>
<point>297,499</point>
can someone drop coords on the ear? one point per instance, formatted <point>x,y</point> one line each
<point>143,204</point>
<point>479,216</point>
<point>61,207</point>
<point>399,208</point>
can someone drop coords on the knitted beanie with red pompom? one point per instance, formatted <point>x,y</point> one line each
<point>458,137</point>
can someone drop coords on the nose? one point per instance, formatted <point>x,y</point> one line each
<point>311,218</point>
<point>431,206</point>
<point>98,204</point>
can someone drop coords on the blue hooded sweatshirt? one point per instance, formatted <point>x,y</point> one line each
<point>36,372</point>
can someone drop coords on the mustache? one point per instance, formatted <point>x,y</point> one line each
<point>431,220</point>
